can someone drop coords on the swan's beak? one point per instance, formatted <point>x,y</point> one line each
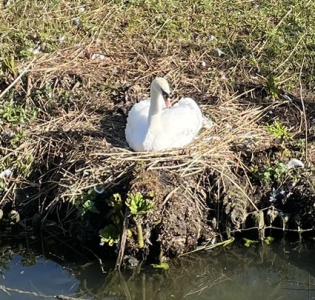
<point>168,103</point>
<point>166,96</point>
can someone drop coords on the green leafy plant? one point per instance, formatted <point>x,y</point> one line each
<point>115,213</point>
<point>110,235</point>
<point>275,174</point>
<point>9,65</point>
<point>116,202</point>
<point>89,206</point>
<point>17,140</point>
<point>138,205</point>
<point>273,88</point>
<point>24,164</point>
<point>162,266</point>
<point>279,131</point>
<point>16,114</point>
<point>249,243</point>
<point>269,240</point>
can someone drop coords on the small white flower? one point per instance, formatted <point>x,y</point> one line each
<point>203,64</point>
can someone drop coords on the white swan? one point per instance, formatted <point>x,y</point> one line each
<point>153,125</point>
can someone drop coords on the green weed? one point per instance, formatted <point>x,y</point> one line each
<point>279,131</point>
<point>162,266</point>
<point>24,165</point>
<point>269,240</point>
<point>249,243</point>
<point>16,114</point>
<point>275,174</point>
<point>110,235</point>
<point>138,205</point>
<point>273,88</point>
<point>88,205</point>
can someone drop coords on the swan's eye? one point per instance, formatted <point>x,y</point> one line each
<point>165,95</point>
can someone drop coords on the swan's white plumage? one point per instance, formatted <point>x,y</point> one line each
<point>179,126</point>
<point>137,125</point>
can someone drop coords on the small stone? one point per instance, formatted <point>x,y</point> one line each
<point>98,56</point>
<point>295,163</point>
<point>6,174</point>
<point>132,261</point>
<point>99,189</point>
<point>14,216</point>
<point>77,21</point>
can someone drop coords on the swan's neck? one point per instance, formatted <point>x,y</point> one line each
<point>156,106</point>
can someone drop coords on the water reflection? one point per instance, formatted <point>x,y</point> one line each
<point>277,272</point>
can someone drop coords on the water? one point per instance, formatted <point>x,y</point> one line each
<point>282,271</point>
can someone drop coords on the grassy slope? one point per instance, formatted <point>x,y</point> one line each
<point>259,38</point>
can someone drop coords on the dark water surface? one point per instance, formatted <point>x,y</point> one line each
<point>280,271</point>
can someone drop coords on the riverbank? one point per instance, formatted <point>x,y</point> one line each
<point>66,87</point>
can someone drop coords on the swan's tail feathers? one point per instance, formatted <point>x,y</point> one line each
<point>207,123</point>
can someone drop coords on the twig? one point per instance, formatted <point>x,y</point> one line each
<point>18,291</point>
<point>304,111</point>
<point>62,297</point>
<point>122,244</point>
<point>14,82</point>
<point>169,195</point>
<point>210,247</point>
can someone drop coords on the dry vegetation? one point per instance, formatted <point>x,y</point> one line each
<point>69,72</point>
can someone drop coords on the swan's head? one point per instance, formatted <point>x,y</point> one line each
<point>161,86</point>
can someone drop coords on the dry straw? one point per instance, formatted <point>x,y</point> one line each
<point>80,149</point>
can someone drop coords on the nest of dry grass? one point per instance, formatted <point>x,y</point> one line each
<point>79,148</point>
<point>92,160</point>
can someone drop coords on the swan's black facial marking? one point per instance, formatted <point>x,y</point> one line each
<point>165,94</point>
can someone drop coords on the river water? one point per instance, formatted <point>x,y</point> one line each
<point>281,271</point>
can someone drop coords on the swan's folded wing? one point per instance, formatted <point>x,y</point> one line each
<point>182,123</point>
<point>137,124</point>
